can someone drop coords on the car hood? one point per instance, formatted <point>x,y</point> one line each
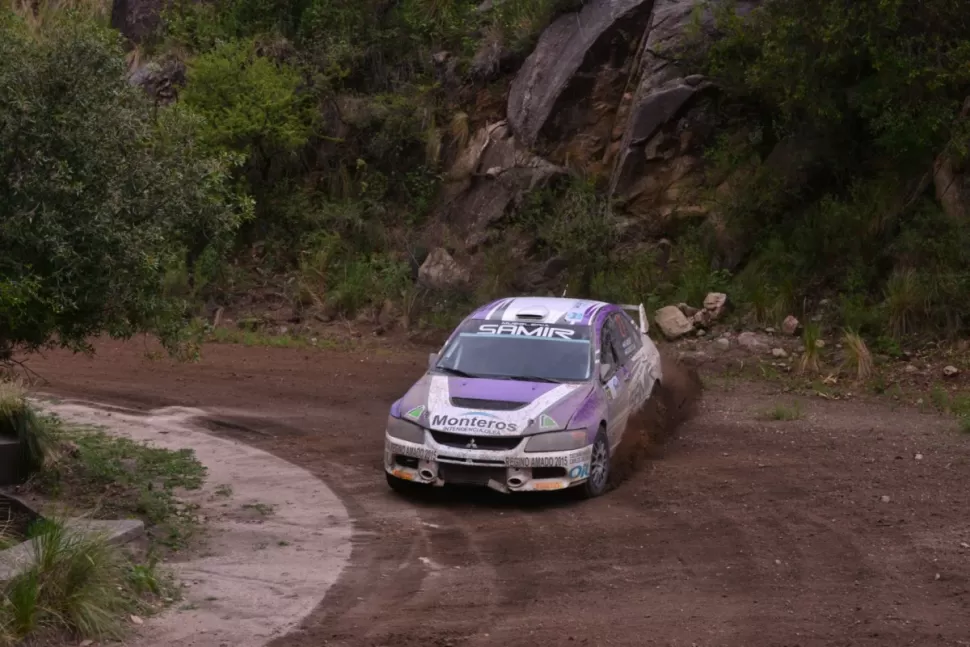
<point>487,407</point>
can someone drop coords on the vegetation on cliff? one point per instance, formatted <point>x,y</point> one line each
<point>306,146</point>
<point>844,138</point>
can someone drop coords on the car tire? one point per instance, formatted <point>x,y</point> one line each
<point>598,482</point>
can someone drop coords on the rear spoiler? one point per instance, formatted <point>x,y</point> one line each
<point>642,312</point>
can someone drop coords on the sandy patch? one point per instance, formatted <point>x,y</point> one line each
<point>278,537</point>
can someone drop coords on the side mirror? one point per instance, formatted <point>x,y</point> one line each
<point>432,360</point>
<point>605,370</point>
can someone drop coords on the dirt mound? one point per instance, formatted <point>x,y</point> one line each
<point>674,401</point>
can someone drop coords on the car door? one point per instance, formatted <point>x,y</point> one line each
<point>614,383</point>
<point>635,366</point>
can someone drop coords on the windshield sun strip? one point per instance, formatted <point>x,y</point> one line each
<point>533,337</point>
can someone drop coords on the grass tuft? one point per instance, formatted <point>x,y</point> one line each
<point>859,357</point>
<point>784,413</point>
<point>75,584</point>
<point>809,362</point>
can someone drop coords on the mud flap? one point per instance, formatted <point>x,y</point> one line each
<point>498,487</point>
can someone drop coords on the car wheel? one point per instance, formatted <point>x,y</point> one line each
<point>599,468</point>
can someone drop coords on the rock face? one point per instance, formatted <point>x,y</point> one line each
<point>136,19</point>
<point>672,322</point>
<point>560,53</point>
<point>441,272</point>
<point>491,175</point>
<point>161,79</point>
<point>655,168</point>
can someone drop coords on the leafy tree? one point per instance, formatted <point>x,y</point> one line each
<point>97,191</point>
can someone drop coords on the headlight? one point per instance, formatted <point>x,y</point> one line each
<point>403,430</point>
<point>558,441</point>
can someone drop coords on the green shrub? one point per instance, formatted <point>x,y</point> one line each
<point>110,187</point>
<point>74,584</point>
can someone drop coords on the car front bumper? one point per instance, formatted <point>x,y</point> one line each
<point>511,470</point>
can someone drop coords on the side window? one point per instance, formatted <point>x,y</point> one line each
<point>629,338</point>
<point>608,354</point>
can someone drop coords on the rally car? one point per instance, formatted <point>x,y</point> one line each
<point>527,394</point>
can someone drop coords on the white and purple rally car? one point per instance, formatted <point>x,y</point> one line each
<point>527,394</point>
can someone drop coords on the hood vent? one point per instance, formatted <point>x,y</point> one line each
<point>487,405</point>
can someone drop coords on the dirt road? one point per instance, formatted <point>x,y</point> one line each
<point>745,532</point>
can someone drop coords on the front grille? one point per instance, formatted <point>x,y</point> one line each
<point>487,405</point>
<point>470,475</point>
<point>494,443</point>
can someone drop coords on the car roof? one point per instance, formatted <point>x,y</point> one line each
<point>547,310</point>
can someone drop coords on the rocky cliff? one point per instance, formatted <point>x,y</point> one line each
<point>601,93</point>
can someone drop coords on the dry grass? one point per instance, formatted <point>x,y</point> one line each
<point>39,13</point>
<point>859,357</point>
<point>905,301</point>
<point>460,130</point>
<point>74,585</point>
<point>809,362</point>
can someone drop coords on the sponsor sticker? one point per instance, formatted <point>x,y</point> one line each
<point>549,485</point>
<point>479,422</point>
<point>537,461</point>
<point>526,330</point>
<point>581,457</point>
<point>401,474</point>
<point>421,453</point>
<point>579,472</point>
<point>547,422</point>
<point>574,316</point>
<point>415,413</point>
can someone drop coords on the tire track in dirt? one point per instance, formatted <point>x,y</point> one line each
<point>681,553</point>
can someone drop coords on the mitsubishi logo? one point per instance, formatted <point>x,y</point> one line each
<point>471,444</point>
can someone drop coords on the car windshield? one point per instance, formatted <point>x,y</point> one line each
<point>519,351</point>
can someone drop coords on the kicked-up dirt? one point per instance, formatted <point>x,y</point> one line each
<point>848,526</point>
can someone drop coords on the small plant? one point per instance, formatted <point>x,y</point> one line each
<point>74,583</point>
<point>904,301</point>
<point>859,357</point>
<point>809,362</point>
<point>121,478</point>
<point>262,509</point>
<point>783,413</point>
<point>940,398</point>
<point>224,491</point>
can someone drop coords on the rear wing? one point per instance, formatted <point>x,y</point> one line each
<point>642,312</point>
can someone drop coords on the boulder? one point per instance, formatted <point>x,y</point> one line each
<point>672,322</point>
<point>441,272</point>
<point>561,51</point>
<point>950,371</point>
<point>754,342</point>
<point>160,78</point>
<point>715,303</point>
<point>790,325</point>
